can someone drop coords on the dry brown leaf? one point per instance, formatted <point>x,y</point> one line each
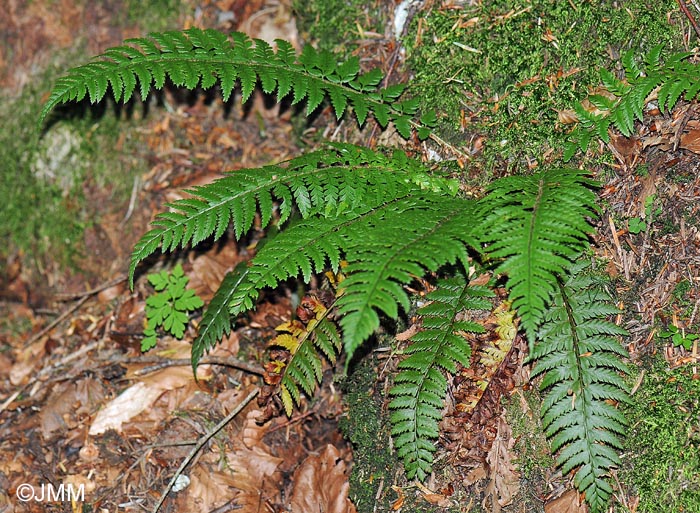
<point>568,502</point>
<point>321,484</point>
<point>255,468</point>
<point>124,407</point>
<point>691,141</point>
<point>208,489</point>
<point>505,480</point>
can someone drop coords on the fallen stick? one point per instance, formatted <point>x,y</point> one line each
<point>202,441</point>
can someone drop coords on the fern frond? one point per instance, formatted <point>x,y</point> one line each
<point>216,320</point>
<point>420,386</point>
<point>581,361</point>
<point>672,79</point>
<point>304,369</point>
<point>325,182</point>
<point>538,224</point>
<point>201,58</point>
<point>390,248</point>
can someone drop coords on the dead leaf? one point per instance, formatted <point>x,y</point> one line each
<point>321,484</point>
<point>505,480</point>
<point>691,141</point>
<point>568,502</point>
<point>124,407</point>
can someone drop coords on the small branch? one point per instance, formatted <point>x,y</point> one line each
<point>159,363</point>
<point>689,15</point>
<point>201,443</point>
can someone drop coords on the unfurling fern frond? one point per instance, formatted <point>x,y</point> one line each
<point>201,58</point>
<point>625,99</point>
<point>325,182</point>
<point>538,224</point>
<point>581,359</point>
<point>420,385</point>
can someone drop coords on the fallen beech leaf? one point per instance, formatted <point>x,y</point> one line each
<point>124,407</point>
<point>321,484</point>
<point>691,141</point>
<point>208,489</point>
<point>568,502</point>
<point>505,481</point>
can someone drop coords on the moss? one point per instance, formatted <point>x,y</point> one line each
<point>335,25</point>
<point>514,64</point>
<point>366,427</point>
<point>532,448</point>
<point>44,174</point>
<point>661,460</point>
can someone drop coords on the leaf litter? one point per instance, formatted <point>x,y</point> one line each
<point>80,405</point>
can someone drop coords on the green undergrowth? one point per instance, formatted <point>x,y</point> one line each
<point>46,180</point>
<point>661,462</point>
<point>514,64</point>
<point>336,25</point>
<point>367,427</point>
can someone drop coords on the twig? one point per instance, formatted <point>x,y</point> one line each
<point>56,322</point>
<point>201,443</point>
<point>159,363</point>
<point>96,290</point>
<point>689,15</point>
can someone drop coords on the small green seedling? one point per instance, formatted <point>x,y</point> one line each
<point>679,337</point>
<point>169,307</point>
<point>637,225</point>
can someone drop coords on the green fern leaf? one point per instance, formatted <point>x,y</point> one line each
<point>323,182</point>
<point>194,57</point>
<point>216,320</point>
<point>419,386</point>
<point>581,361</point>
<point>389,248</point>
<point>538,224</point>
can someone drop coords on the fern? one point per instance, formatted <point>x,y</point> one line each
<point>420,385</point>
<point>581,361</point>
<point>392,220</point>
<point>201,58</point>
<point>323,182</point>
<point>625,99</point>
<point>538,225</point>
<point>304,342</point>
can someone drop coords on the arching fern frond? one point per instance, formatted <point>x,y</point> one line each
<point>538,225</point>
<point>386,245</point>
<point>391,248</point>
<point>624,100</point>
<point>201,58</point>
<point>581,361</point>
<point>420,386</point>
<point>325,182</point>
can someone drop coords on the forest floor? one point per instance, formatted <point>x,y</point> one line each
<point>80,405</point>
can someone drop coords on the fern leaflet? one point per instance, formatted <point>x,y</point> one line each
<point>538,225</point>
<point>200,58</point>
<point>420,386</point>
<point>581,360</point>
<point>304,343</point>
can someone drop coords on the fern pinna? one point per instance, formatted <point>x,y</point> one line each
<point>581,361</point>
<point>420,386</point>
<point>392,220</point>
<point>623,101</point>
